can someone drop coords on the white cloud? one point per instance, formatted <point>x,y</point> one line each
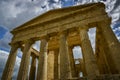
<point>109,5</point>
<point>92,36</point>
<point>12,9</point>
<point>119,28</point>
<point>115,17</point>
<point>77,52</point>
<point>118,38</point>
<point>16,12</point>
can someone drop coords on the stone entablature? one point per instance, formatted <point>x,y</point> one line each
<point>40,28</point>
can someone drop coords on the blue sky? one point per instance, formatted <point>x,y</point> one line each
<point>2,32</point>
<point>16,12</point>
<point>66,3</point>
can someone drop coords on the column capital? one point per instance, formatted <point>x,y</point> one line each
<point>83,27</point>
<point>22,45</point>
<point>47,38</point>
<point>33,56</point>
<point>108,20</point>
<point>83,34</point>
<point>56,49</point>
<point>14,44</point>
<point>104,22</point>
<point>71,47</point>
<point>29,41</point>
<point>63,32</point>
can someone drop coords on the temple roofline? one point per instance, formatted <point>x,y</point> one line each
<point>58,11</point>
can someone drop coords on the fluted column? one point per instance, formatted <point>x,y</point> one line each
<point>112,41</point>
<point>9,67</point>
<point>33,68</point>
<point>72,63</point>
<point>64,57</point>
<point>56,72</point>
<point>102,54</point>
<point>88,55</point>
<point>107,55</point>
<point>50,66</point>
<point>42,64</point>
<point>24,65</point>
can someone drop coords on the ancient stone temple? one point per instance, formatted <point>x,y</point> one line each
<point>59,31</point>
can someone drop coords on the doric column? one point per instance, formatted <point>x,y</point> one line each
<point>112,41</point>
<point>108,57</point>
<point>72,63</point>
<point>9,67</point>
<point>33,68</point>
<point>24,65</point>
<point>56,72</point>
<point>64,57</point>
<point>88,55</point>
<point>50,66</point>
<point>42,63</point>
<point>101,55</point>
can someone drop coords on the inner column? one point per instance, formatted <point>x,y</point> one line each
<point>72,62</point>
<point>56,70</point>
<point>33,68</point>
